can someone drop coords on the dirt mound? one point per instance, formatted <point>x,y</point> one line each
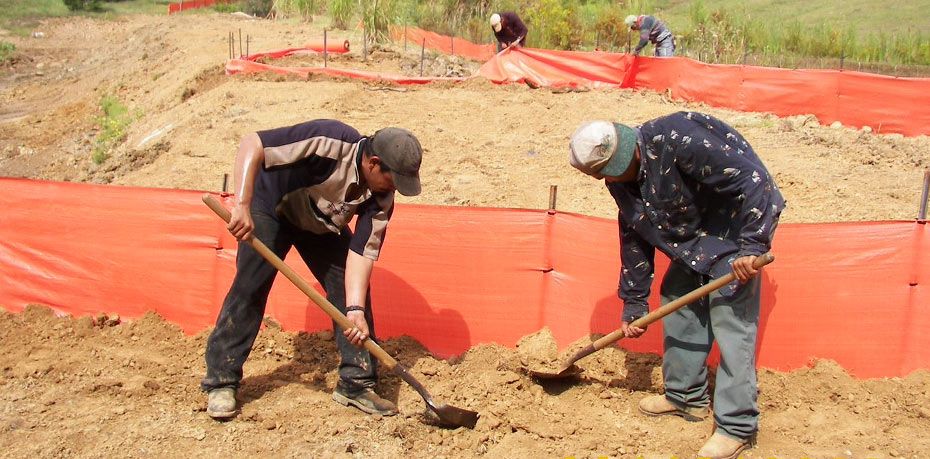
<point>86,387</point>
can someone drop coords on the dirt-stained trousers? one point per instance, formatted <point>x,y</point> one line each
<point>244,307</point>
<point>689,334</point>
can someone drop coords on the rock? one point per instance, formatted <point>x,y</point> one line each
<point>836,125</point>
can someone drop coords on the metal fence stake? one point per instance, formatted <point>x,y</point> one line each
<point>553,194</point>
<point>922,215</point>
<point>422,56</point>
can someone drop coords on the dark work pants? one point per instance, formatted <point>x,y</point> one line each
<point>244,307</point>
<point>689,333</point>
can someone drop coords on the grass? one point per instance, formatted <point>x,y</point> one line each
<point>6,51</point>
<point>865,17</point>
<point>113,124</point>
<point>21,17</point>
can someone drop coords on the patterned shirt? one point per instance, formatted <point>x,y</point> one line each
<point>651,29</point>
<point>702,197</point>
<point>311,177</point>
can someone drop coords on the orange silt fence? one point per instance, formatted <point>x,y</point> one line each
<point>502,274</point>
<point>193,4</point>
<point>885,104</point>
<point>442,43</point>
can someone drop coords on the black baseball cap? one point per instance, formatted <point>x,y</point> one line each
<point>400,151</point>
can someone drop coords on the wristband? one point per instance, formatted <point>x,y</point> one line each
<point>354,307</point>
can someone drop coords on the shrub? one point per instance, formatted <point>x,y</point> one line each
<point>341,12</point>
<point>259,8</point>
<point>113,124</point>
<point>377,16</point>
<point>83,5</point>
<point>6,51</point>
<point>552,25</point>
<point>299,8</point>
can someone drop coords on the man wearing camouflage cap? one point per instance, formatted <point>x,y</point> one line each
<point>691,186</point>
<point>300,186</point>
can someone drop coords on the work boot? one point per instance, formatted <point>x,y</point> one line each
<point>221,403</point>
<point>658,405</point>
<point>721,446</point>
<point>367,401</point>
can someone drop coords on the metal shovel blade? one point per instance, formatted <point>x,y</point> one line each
<point>568,369</point>
<point>570,372</point>
<point>448,415</point>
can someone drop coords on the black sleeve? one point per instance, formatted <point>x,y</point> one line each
<point>291,134</point>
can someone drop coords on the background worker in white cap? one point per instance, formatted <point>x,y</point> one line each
<point>654,30</point>
<point>508,29</point>
<point>300,186</point>
<point>691,186</point>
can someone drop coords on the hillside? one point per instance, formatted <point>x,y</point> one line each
<point>864,16</point>
<point>487,145</point>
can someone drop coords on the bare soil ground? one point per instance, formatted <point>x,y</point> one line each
<point>76,387</point>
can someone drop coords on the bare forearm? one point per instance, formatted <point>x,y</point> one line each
<point>249,160</point>
<point>358,276</point>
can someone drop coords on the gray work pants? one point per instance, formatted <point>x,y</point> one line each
<point>689,333</point>
<point>665,48</point>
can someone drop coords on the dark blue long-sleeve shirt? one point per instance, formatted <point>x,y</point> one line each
<point>702,197</point>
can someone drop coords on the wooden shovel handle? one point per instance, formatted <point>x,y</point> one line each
<point>305,287</point>
<point>684,300</point>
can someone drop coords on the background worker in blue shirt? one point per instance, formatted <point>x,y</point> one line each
<point>691,186</point>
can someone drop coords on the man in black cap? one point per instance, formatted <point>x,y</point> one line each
<point>300,186</point>
<point>692,187</point>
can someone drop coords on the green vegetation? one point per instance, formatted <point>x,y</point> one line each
<point>6,51</point>
<point>724,31</point>
<point>341,12</point>
<point>83,5</point>
<point>22,16</point>
<point>872,34</point>
<point>113,124</point>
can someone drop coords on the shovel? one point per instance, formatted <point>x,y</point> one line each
<point>448,415</point>
<point>569,369</point>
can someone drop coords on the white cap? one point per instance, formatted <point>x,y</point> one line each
<point>496,22</point>
<point>630,20</point>
<point>602,148</point>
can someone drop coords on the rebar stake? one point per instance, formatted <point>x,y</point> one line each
<point>922,215</point>
<point>553,194</point>
<point>422,56</point>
